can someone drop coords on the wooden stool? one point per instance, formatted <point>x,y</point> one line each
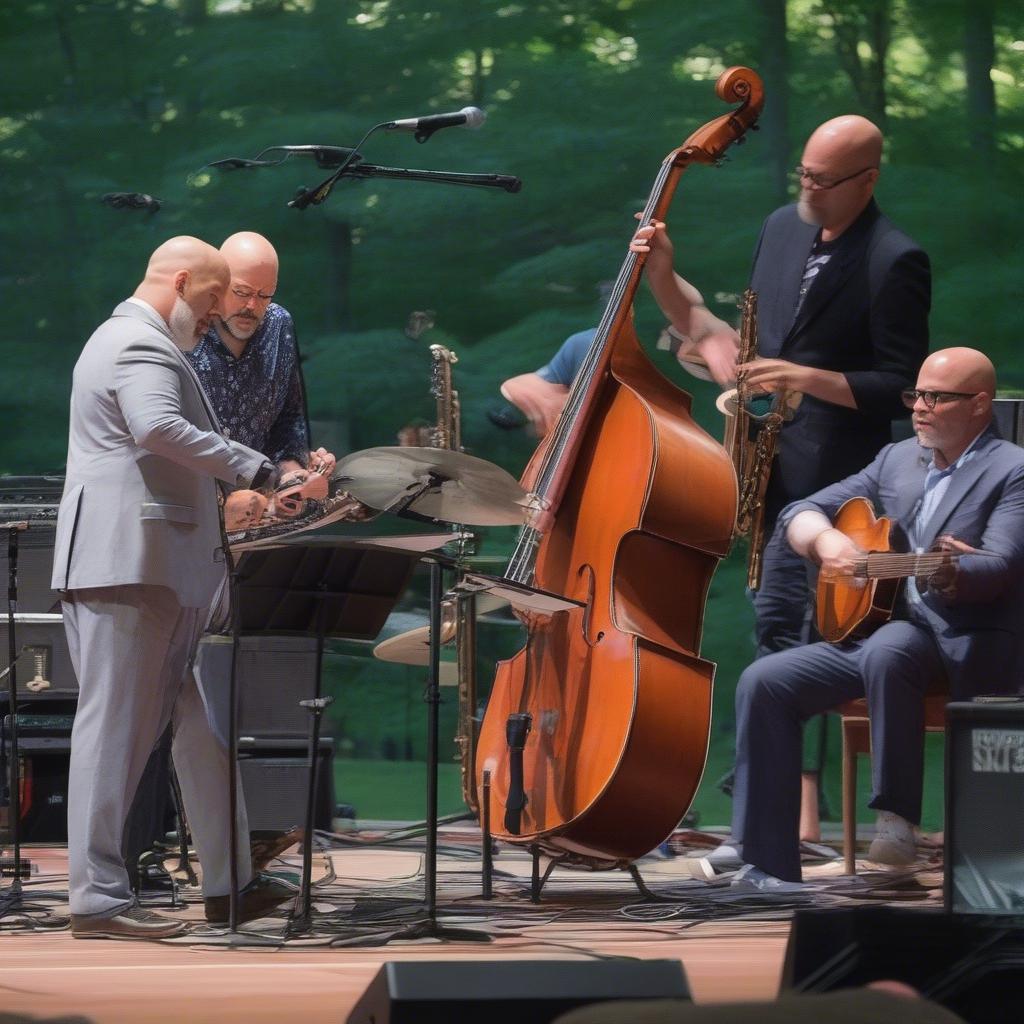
<point>857,740</point>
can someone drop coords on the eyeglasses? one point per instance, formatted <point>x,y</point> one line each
<point>821,182</point>
<point>932,398</point>
<point>245,294</point>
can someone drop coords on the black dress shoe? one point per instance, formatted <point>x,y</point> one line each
<point>260,896</point>
<point>131,923</point>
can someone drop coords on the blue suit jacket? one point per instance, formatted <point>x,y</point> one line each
<point>980,632</point>
<point>865,316</point>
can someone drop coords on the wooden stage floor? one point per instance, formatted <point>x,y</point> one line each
<point>366,896</point>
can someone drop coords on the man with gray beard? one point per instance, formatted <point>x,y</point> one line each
<point>138,558</point>
<point>843,299</point>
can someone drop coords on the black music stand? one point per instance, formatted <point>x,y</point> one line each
<point>345,588</point>
<point>321,587</point>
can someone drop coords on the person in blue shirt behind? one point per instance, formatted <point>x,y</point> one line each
<point>540,395</point>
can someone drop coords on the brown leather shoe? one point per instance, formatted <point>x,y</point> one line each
<point>257,899</point>
<point>131,923</point>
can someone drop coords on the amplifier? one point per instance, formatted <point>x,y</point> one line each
<point>1009,417</point>
<point>985,807</point>
<point>274,673</point>
<point>44,754</point>
<point>44,669</point>
<point>275,777</point>
<point>35,565</point>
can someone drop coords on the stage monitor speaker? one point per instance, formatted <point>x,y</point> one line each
<point>509,991</point>
<point>275,776</point>
<point>985,807</point>
<point>974,968</point>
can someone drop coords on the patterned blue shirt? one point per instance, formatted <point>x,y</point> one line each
<point>258,397</point>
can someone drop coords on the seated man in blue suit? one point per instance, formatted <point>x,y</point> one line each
<point>956,484</point>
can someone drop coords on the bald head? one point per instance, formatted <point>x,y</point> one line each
<point>186,278</point>
<point>848,139</point>
<point>184,253</point>
<point>253,263</point>
<point>963,383</point>
<point>248,255</point>
<point>958,369</point>
<point>840,164</point>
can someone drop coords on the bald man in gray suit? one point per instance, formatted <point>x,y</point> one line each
<point>139,558</point>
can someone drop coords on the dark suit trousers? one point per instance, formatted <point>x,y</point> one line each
<point>893,668</point>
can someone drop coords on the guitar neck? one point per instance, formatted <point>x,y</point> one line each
<point>889,565</point>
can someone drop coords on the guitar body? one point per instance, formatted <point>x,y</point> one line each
<point>853,608</point>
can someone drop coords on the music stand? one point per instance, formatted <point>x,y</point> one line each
<point>321,587</point>
<point>335,587</point>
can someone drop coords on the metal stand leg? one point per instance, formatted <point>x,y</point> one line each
<point>539,880</point>
<point>303,918</point>
<point>184,864</point>
<point>487,859</point>
<point>14,865</point>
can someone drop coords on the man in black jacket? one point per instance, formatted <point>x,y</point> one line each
<point>843,300</point>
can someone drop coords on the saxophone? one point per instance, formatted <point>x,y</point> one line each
<point>752,440</point>
<point>447,433</point>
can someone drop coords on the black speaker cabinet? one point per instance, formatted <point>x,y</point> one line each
<point>43,769</point>
<point>274,779</point>
<point>274,674</point>
<point>1009,417</point>
<point>509,991</point>
<point>971,966</point>
<point>985,807</point>
<point>35,566</point>
<point>44,669</point>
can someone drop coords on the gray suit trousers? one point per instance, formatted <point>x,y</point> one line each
<point>131,647</point>
<point>892,668</point>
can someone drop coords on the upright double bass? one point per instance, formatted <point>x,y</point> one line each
<point>596,732</point>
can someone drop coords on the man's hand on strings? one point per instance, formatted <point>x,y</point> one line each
<point>652,240</point>
<point>943,580</point>
<point>321,462</point>
<point>838,556</point>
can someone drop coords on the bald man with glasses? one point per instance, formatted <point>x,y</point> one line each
<point>843,302</point>
<point>956,486</point>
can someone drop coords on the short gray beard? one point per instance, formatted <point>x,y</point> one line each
<point>182,323</point>
<point>239,337</point>
<point>807,213</point>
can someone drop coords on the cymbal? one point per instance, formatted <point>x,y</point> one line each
<point>450,486</point>
<point>413,648</point>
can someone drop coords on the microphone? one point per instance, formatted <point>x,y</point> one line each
<point>424,127</point>
<point>131,201</point>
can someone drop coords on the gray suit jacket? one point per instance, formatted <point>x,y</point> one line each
<point>140,501</point>
<point>980,632</point>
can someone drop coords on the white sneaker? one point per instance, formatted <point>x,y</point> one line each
<point>754,879</point>
<point>726,857</point>
<point>895,842</point>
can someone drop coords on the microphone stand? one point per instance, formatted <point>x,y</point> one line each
<point>502,181</point>
<point>13,897</point>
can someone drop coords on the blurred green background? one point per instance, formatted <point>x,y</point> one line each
<point>584,99</point>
